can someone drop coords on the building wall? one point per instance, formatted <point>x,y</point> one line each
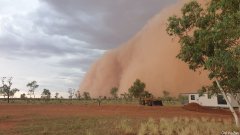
<point>204,100</point>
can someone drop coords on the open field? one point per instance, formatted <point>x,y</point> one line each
<point>63,119</point>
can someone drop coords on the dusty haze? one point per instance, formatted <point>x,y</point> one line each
<point>149,56</point>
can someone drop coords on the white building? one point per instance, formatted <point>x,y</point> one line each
<point>211,101</point>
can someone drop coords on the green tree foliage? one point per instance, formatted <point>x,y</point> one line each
<point>71,93</point>
<point>210,40</point>
<point>183,99</point>
<point>56,95</point>
<point>137,88</point>
<point>46,94</point>
<point>86,95</point>
<point>6,88</point>
<point>23,96</point>
<point>32,87</point>
<point>1,91</point>
<point>114,92</point>
<point>13,91</point>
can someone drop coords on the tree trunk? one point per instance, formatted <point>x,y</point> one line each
<point>8,95</point>
<point>236,98</point>
<point>229,104</point>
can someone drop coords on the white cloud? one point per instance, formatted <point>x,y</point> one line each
<point>13,7</point>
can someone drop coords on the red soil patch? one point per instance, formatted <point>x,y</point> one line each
<point>198,108</point>
<point>19,114</point>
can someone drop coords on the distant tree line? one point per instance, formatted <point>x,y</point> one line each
<point>136,91</point>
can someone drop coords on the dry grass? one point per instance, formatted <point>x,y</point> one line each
<point>108,120</point>
<point>122,126</point>
<point>186,126</point>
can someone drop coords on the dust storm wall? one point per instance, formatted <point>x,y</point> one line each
<point>149,56</point>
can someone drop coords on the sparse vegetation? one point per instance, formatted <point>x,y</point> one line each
<point>117,124</point>
<point>86,95</point>
<point>23,96</point>
<point>32,87</point>
<point>56,95</point>
<point>6,89</point>
<point>146,94</point>
<point>122,125</point>
<point>71,93</point>
<point>126,96</point>
<point>114,92</point>
<point>167,98</point>
<point>183,99</point>
<point>46,94</point>
<point>78,95</point>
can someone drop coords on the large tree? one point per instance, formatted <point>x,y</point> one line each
<point>32,87</point>
<point>209,40</point>
<point>137,88</point>
<point>6,88</point>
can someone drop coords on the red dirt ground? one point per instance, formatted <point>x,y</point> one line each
<point>11,115</point>
<point>198,108</point>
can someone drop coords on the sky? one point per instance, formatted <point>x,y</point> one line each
<point>55,41</point>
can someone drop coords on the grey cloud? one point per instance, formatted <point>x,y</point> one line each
<point>103,24</point>
<point>77,63</point>
<point>31,42</point>
<point>83,62</point>
<point>60,27</point>
<point>11,44</point>
<point>71,74</point>
<point>100,24</point>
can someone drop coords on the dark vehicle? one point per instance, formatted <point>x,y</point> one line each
<point>150,102</point>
